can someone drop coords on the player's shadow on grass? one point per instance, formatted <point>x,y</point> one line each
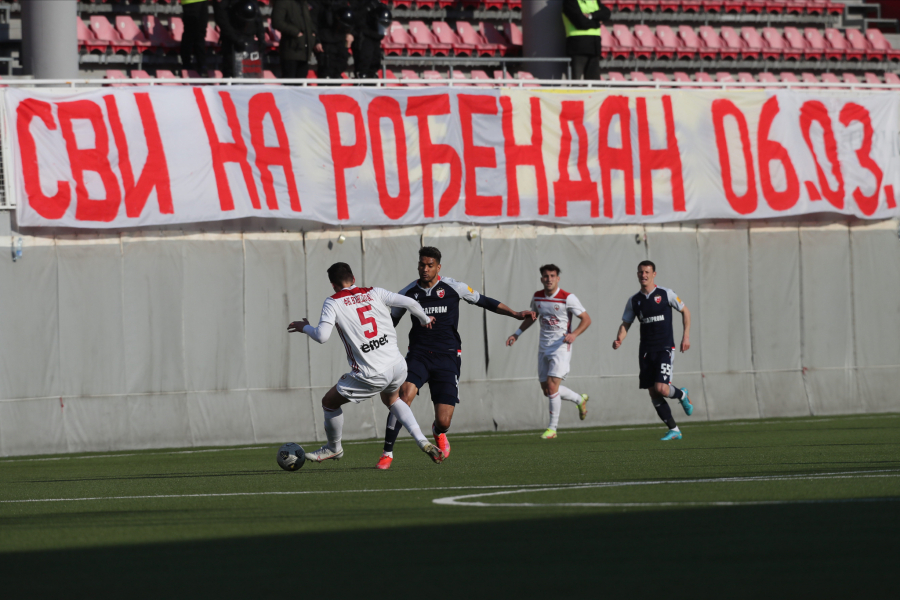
<point>785,551</point>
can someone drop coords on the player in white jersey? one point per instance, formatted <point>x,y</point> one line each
<point>362,317</point>
<point>555,307</point>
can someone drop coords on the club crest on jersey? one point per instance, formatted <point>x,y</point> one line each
<point>556,308</point>
<point>440,292</point>
<point>658,299</point>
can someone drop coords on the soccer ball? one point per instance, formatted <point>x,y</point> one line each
<point>291,457</point>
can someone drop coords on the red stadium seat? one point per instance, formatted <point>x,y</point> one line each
<point>775,7</point>
<point>526,76</point>
<point>755,45</point>
<point>809,78</point>
<point>879,43</point>
<point>670,39</point>
<point>681,77</point>
<point>839,48</point>
<point>424,37</point>
<point>103,30</point>
<point>873,79</point>
<point>516,37</point>
<point>789,78</point>
<point>433,75</point>
<point>616,76</point>
<point>493,36</point>
<point>140,74</point>
<point>892,78</point>
<point>830,78</point>
<point>795,40</point>
<point>398,40</point>
<point>176,29</point>
<point>660,77</point>
<point>850,78</point>
<point>115,75</point>
<point>746,78</point>
<point>410,74</point>
<point>692,40</point>
<point>859,43</point>
<point>212,38</point>
<point>725,77</point>
<point>129,30</point>
<point>167,75</point>
<point>733,6</point>
<point>648,39</point>
<point>795,7</point>
<point>627,42</point>
<point>767,77</point>
<point>755,7</point>
<point>445,34</point>
<point>87,41</point>
<point>703,78</point>
<point>691,6</point>
<point>502,75</point>
<point>640,77</point>
<point>469,35</point>
<point>713,6</point>
<point>481,76</point>
<point>817,44</point>
<point>712,40</point>
<point>776,42</point>
<point>735,42</point>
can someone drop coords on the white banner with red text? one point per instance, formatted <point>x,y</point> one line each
<point>129,157</point>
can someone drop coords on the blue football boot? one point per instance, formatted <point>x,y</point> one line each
<point>672,435</point>
<point>685,403</point>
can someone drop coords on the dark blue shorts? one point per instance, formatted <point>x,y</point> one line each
<point>439,371</point>
<point>656,367</point>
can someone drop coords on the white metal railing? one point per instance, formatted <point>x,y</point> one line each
<point>400,82</point>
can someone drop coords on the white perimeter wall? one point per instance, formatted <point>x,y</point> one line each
<point>146,341</point>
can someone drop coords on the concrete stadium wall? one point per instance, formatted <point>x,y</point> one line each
<point>160,340</point>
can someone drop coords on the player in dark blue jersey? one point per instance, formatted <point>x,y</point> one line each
<point>653,307</point>
<point>434,354</point>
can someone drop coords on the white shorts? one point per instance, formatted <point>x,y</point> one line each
<point>554,364</point>
<point>356,388</point>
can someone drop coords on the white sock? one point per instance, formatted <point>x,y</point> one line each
<point>334,426</point>
<point>555,406</point>
<point>392,422</point>
<point>567,394</point>
<point>676,429</point>
<point>391,454</point>
<point>405,415</point>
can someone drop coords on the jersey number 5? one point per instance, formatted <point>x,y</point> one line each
<point>362,310</point>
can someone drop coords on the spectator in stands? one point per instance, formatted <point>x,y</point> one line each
<point>241,24</point>
<point>298,36</point>
<point>582,20</point>
<point>195,15</point>
<point>334,26</point>
<point>373,19</point>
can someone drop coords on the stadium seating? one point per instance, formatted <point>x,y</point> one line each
<point>446,35</point>
<point>422,35</point>
<point>128,30</point>
<point>470,36</point>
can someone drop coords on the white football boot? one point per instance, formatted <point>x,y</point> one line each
<point>324,453</point>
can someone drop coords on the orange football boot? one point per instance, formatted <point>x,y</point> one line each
<point>384,463</point>
<point>440,439</point>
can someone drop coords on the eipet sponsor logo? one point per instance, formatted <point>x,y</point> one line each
<point>374,344</point>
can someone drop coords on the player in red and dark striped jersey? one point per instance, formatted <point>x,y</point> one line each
<point>554,307</point>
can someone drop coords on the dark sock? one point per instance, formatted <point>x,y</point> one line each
<point>664,412</point>
<point>391,431</point>
<point>438,430</point>
<point>675,392</point>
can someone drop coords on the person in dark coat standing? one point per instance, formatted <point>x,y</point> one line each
<point>240,23</point>
<point>298,36</point>
<point>195,14</point>
<point>334,24</point>
<point>582,19</point>
<point>373,19</point>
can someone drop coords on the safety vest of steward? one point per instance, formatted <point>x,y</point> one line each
<point>183,2</point>
<point>588,7</point>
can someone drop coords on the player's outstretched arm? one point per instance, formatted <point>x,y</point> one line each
<point>525,325</point>
<point>582,326</point>
<point>686,321</point>
<point>620,337</point>
<point>319,334</point>
<point>398,301</point>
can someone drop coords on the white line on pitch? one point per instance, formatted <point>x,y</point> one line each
<point>514,489</point>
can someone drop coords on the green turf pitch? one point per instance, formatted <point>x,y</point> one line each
<point>793,508</point>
